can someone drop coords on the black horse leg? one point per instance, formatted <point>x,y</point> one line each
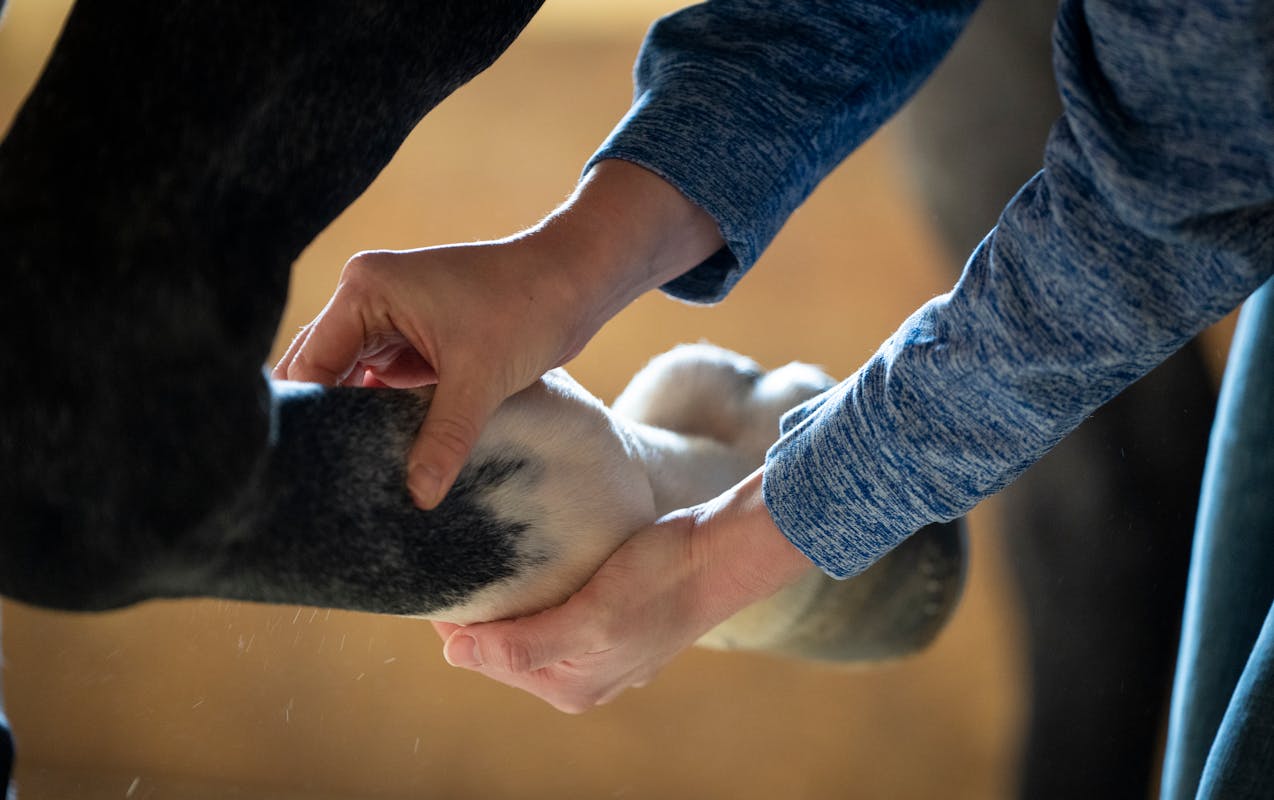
<point>170,164</point>
<point>165,172</point>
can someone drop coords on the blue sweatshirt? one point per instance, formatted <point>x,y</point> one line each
<point>1153,216</point>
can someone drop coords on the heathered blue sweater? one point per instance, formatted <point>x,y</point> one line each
<point>1152,218</point>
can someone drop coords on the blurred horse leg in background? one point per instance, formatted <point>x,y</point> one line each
<point>1098,532</point>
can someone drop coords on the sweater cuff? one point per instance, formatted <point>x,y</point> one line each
<point>658,142</point>
<point>712,279</point>
<point>821,504</point>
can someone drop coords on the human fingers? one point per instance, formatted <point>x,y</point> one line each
<point>328,349</point>
<point>633,616</point>
<point>398,365</point>
<point>570,687</point>
<point>556,656</point>
<point>444,629</point>
<point>526,645</point>
<point>576,671</point>
<point>280,371</point>
<point>356,376</point>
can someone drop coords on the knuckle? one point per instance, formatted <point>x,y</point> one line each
<point>366,275</point>
<point>365,263</point>
<point>305,367</point>
<point>513,655</point>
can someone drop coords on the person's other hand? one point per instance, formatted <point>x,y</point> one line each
<point>486,320</point>
<point>658,593</point>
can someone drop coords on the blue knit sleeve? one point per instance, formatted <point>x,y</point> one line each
<point>1152,218</point>
<point>745,105</point>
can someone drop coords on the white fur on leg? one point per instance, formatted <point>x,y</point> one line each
<point>584,492</point>
<point>690,425</point>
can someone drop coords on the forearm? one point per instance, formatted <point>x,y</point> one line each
<point>746,106</point>
<point>1091,278</point>
<point>739,554</point>
<point>742,108</point>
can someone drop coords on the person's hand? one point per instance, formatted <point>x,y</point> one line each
<point>659,592</point>
<point>478,320</point>
<point>486,320</point>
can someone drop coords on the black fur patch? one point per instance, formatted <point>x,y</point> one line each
<point>337,526</point>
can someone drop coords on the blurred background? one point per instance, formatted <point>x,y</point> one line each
<point>211,699</point>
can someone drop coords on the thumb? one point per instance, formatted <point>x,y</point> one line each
<point>459,410</point>
<point>520,645</point>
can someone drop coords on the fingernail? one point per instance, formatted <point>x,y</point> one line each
<point>462,651</point>
<point>424,486</point>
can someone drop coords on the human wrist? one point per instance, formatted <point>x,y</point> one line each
<point>740,554</point>
<point>623,232</point>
